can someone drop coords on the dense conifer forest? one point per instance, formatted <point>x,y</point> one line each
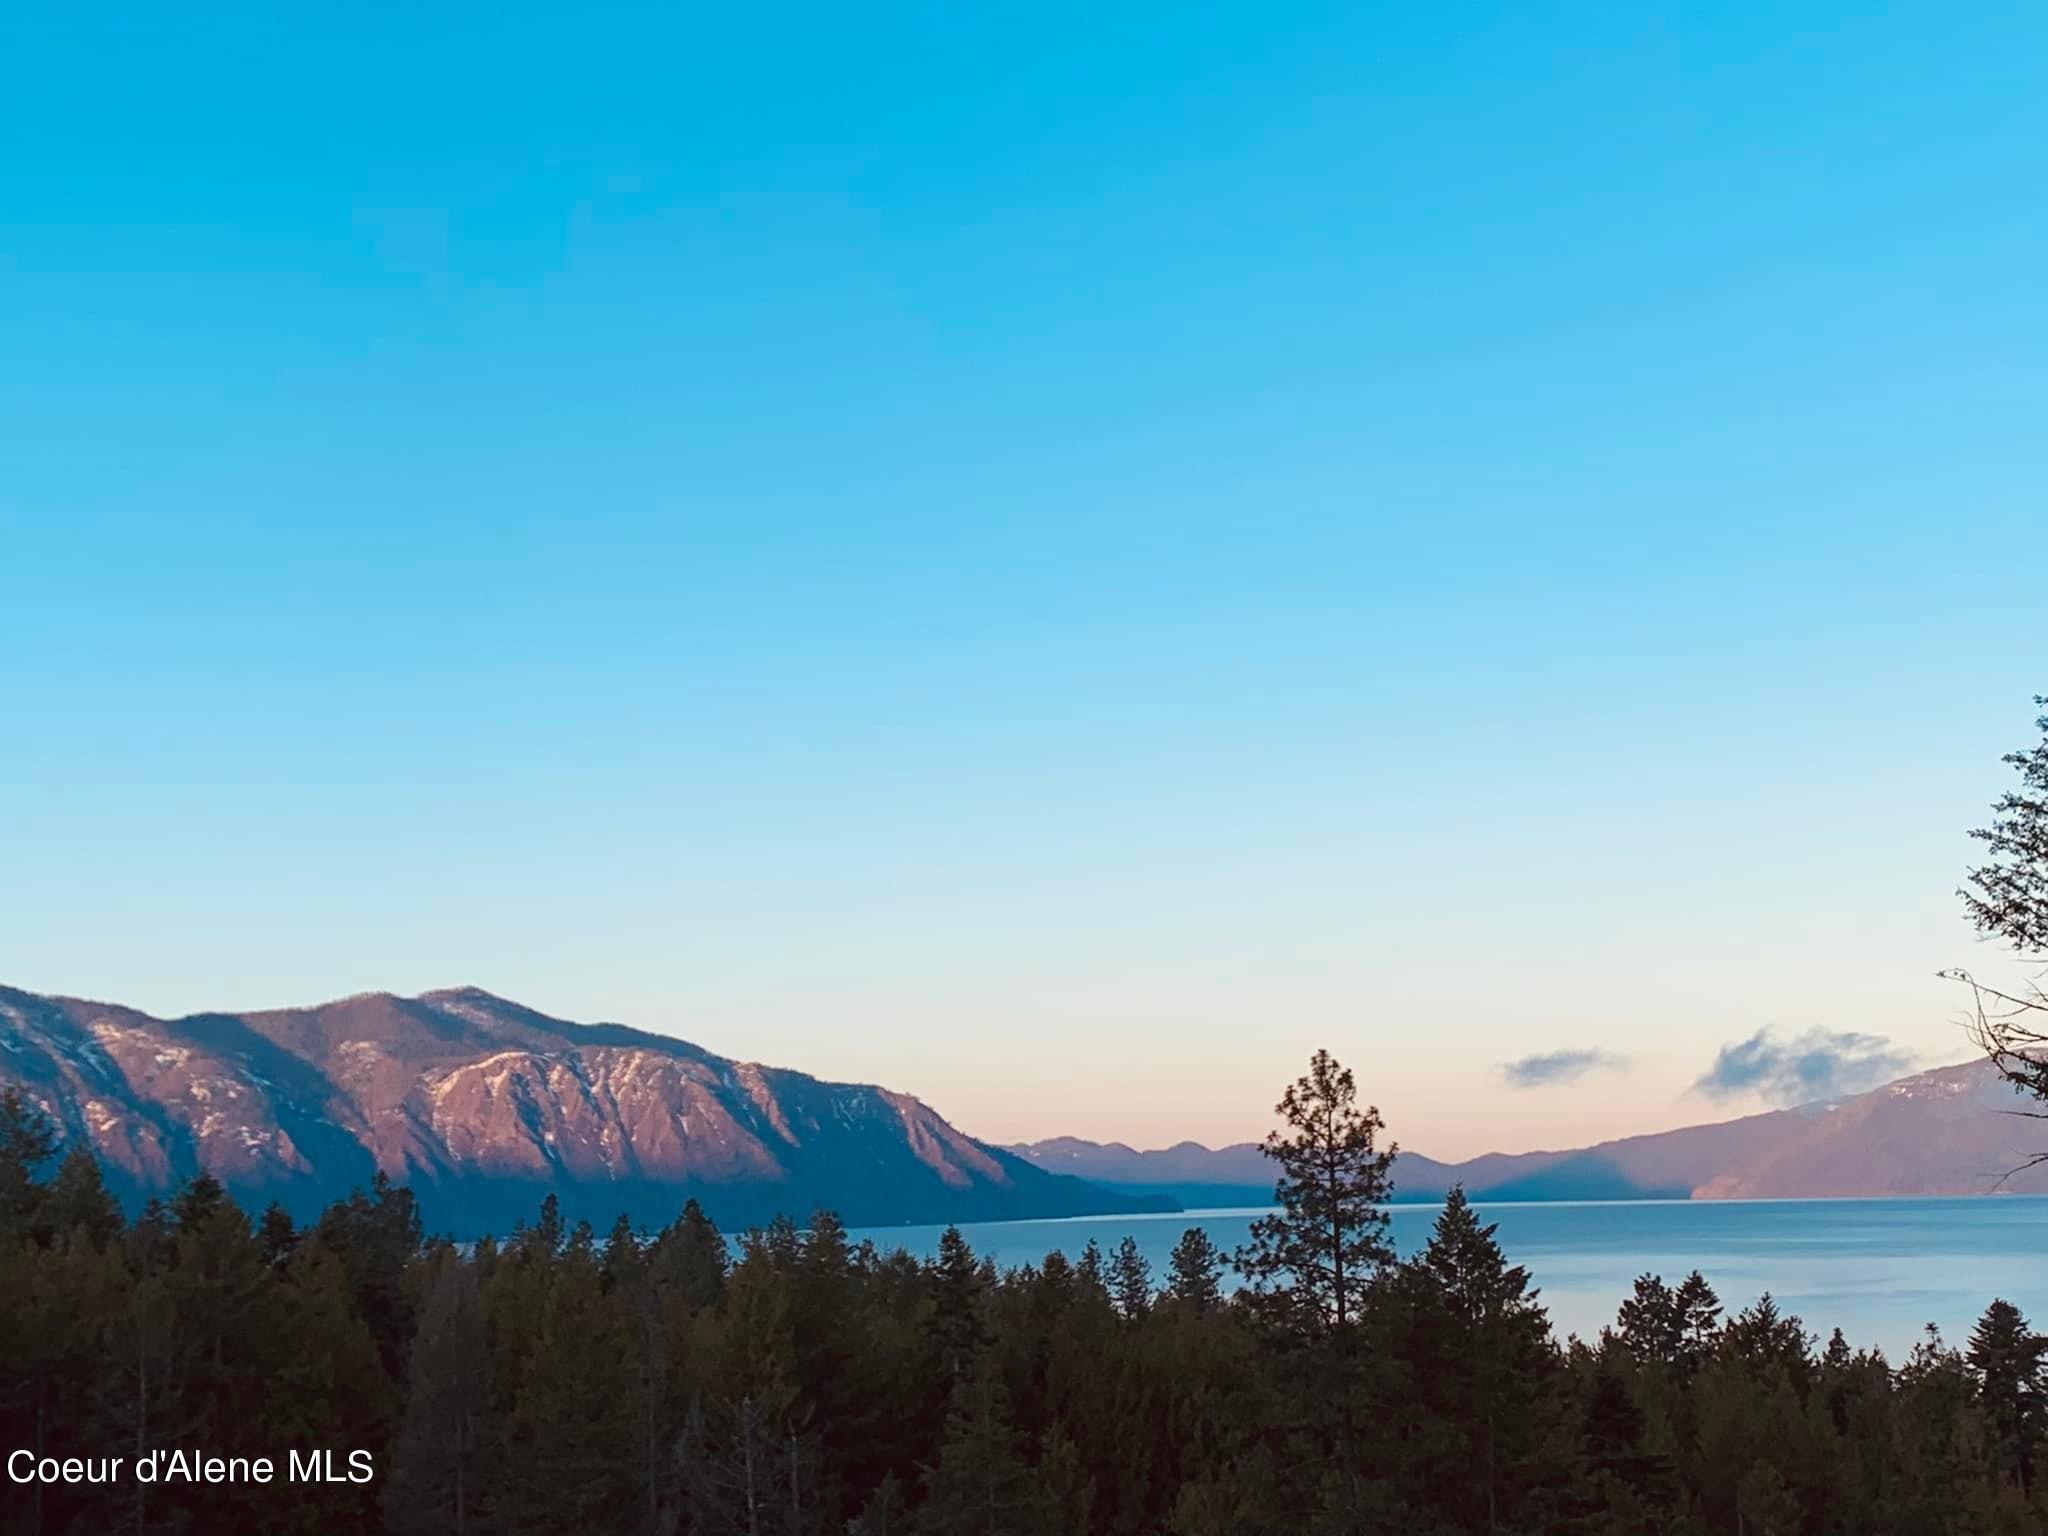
<point>786,1382</point>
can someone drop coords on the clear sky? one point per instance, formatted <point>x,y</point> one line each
<point>1055,557</point>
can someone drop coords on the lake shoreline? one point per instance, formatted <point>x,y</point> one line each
<point>1880,1268</point>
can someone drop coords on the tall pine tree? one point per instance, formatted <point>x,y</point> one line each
<point>2006,1358</point>
<point>1320,1252</point>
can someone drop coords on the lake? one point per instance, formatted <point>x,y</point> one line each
<point>1880,1270</point>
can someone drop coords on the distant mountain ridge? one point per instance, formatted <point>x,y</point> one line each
<point>1949,1131</point>
<point>483,1106</point>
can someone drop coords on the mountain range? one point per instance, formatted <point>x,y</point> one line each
<point>483,1106</point>
<point>1950,1131</point>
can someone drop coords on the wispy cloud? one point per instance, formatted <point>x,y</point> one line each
<point>1550,1068</point>
<point>1802,1068</point>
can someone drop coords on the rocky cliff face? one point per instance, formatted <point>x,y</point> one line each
<point>482,1106</point>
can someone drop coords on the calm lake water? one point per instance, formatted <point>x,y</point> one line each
<point>1880,1270</point>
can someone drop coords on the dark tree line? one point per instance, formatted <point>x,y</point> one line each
<point>792,1383</point>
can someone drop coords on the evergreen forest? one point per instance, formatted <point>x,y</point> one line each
<point>789,1382</point>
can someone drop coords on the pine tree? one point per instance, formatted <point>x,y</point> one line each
<point>1932,1400</point>
<point>1066,1494</point>
<point>980,1485</point>
<point>620,1265</point>
<point>1765,1504</point>
<point>327,1387</point>
<point>838,1400</point>
<point>1321,1251</point>
<point>1473,1277</point>
<point>691,1258</point>
<point>1056,1279</point>
<point>377,1236</point>
<point>2007,898</point>
<point>1130,1280</point>
<point>957,1300</point>
<point>1853,1403</point>
<point>201,1199</point>
<point>1650,1325</point>
<point>434,1483</point>
<point>1699,1322</point>
<point>277,1234</point>
<point>77,1201</point>
<point>1194,1271</point>
<point>779,1242</point>
<point>886,1512</point>
<point>1484,1363</point>
<point>1767,1343</point>
<point>545,1237</point>
<point>2006,1359</point>
<point>1747,1414</point>
<point>582,1244</point>
<point>27,1141</point>
<point>1837,1355</point>
<point>228,1335</point>
<point>1621,1476</point>
<point>733,1482</point>
<point>571,1438</point>
<point>1091,1274</point>
<point>60,1312</point>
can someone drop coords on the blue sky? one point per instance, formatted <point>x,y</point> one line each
<point>1055,559</point>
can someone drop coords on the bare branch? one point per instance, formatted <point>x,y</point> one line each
<point>2014,1047</point>
<point>2033,1162</point>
